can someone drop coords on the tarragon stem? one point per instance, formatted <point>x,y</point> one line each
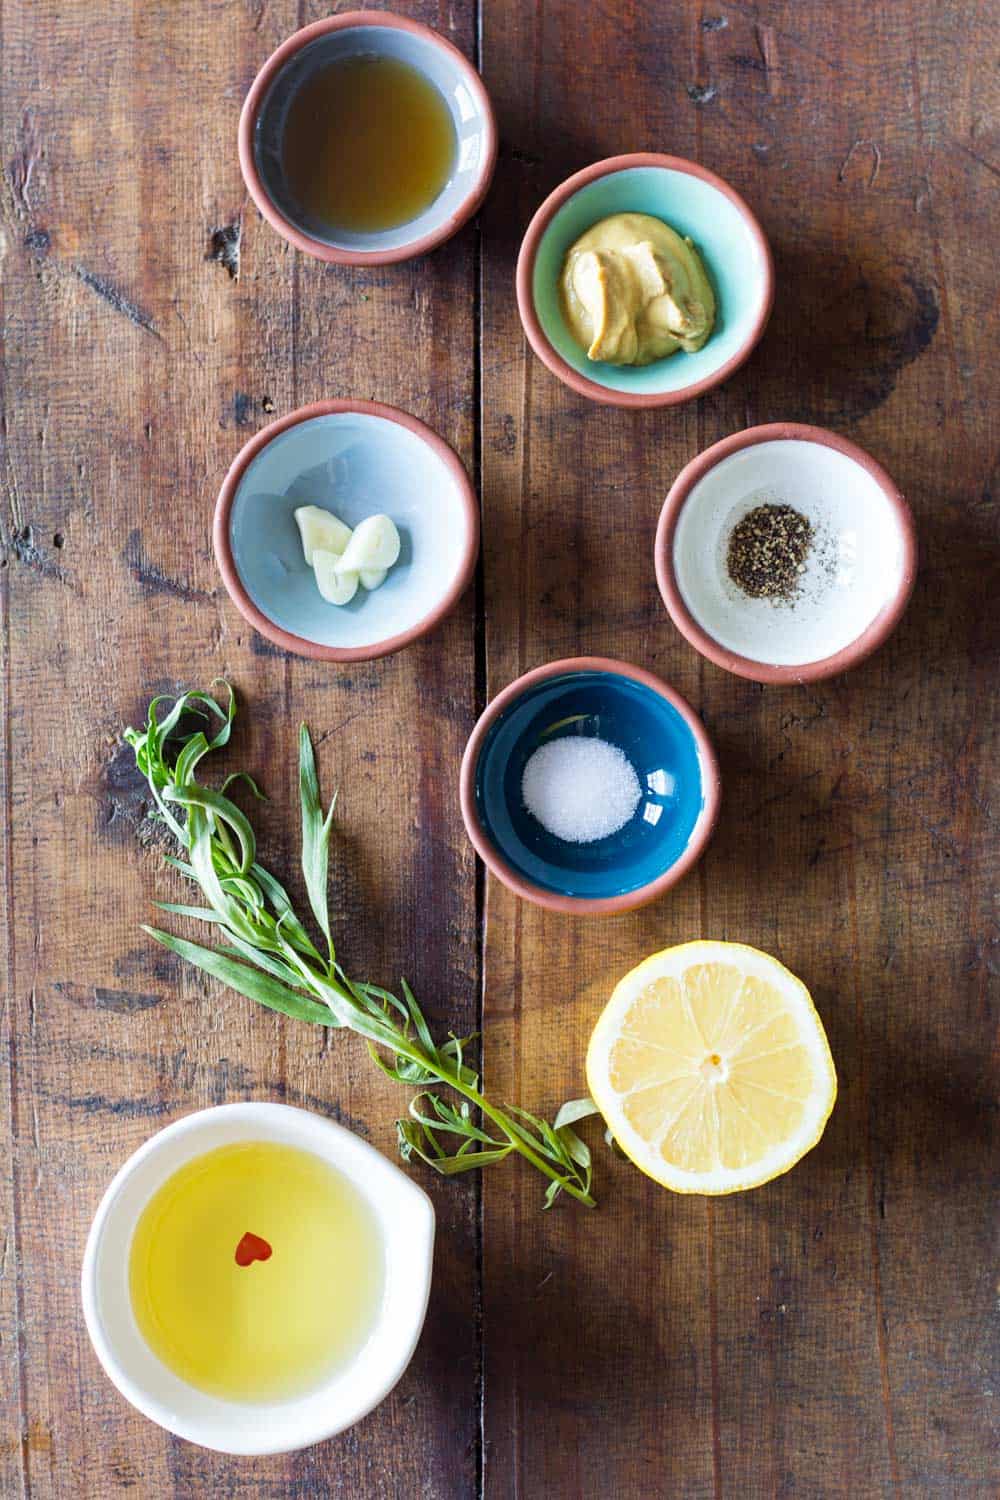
<point>267,954</point>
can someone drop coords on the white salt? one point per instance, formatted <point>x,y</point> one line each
<point>580,789</point>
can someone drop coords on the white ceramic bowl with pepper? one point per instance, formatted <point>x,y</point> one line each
<point>785,553</point>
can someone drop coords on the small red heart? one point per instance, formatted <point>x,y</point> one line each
<point>250,1248</point>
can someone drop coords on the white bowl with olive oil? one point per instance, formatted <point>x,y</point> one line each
<point>256,1278</point>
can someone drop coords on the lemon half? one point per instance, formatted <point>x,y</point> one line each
<point>712,1068</point>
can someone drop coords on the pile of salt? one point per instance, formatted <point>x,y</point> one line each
<point>580,789</point>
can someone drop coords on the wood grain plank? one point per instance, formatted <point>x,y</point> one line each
<point>135,368</point>
<point>833,1333</point>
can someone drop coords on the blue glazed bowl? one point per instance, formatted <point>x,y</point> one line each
<point>697,204</point>
<point>657,731</point>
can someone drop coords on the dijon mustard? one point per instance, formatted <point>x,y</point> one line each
<point>635,291</point>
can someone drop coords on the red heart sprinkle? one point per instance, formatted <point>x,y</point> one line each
<point>250,1248</point>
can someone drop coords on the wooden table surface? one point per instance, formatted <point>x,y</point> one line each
<point>827,1335</point>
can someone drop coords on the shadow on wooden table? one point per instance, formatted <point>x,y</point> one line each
<point>844,326</point>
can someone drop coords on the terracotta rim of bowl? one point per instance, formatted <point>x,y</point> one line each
<point>298,237</point>
<point>591,905</point>
<point>526,269</point>
<point>870,639</point>
<point>300,644</point>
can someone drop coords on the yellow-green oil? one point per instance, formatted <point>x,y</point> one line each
<point>275,1328</point>
<point>368,144</point>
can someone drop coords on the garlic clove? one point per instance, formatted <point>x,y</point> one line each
<point>336,586</point>
<point>372,578</point>
<point>320,528</point>
<point>374,544</point>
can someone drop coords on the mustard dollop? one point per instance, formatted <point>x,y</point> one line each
<point>635,291</point>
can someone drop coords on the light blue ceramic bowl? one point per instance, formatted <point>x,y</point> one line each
<point>357,459</point>
<point>697,204</point>
<point>661,737</point>
<point>368,33</point>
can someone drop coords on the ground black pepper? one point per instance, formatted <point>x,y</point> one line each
<point>767,552</point>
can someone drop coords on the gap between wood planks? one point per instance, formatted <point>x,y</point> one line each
<point>479,684</point>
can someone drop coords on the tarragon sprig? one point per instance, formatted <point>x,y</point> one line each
<point>267,954</point>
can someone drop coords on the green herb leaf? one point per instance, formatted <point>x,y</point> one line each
<point>414,1142</point>
<point>281,905</point>
<point>197,913</point>
<point>272,965</point>
<point>552,1193</point>
<point>244,979</point>
<point>577,1149</point>
<point>315,837</point>
<point>573,1110</point>
<point>218,807</point>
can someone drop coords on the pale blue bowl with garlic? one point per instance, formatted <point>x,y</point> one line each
<point>379,477</point>
<point>700,208</point>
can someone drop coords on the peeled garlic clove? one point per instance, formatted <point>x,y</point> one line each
<point>374,544</point>
<point>320,528</point>
<point>372,578</point>
<point>336,586</point>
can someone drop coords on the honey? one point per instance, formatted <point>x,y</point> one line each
<point>368,144</point>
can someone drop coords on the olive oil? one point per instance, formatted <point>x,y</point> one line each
<point>368,144</point>
<point>256,1271</point>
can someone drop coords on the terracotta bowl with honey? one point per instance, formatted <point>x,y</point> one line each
<point>367,138</point>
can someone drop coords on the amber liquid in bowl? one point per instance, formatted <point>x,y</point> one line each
<point>368,144</point>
